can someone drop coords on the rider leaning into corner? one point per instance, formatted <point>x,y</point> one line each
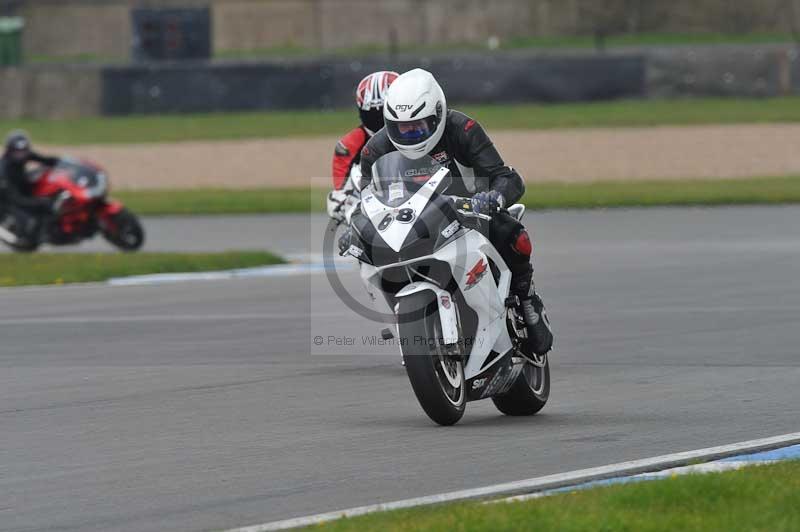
<point>370,95</point>
<point>16,190</point>
<point>418,123</point>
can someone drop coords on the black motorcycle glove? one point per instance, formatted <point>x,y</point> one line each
<point>488,202</point>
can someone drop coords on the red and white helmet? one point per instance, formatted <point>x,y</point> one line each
<point>370,95</point>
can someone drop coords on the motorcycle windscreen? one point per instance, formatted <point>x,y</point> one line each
<point>396,178</point>
<point>91,179</point>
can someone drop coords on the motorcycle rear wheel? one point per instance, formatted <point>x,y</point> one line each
<point>23,246</point>
<point>437,378</point>
<point>529,393</point>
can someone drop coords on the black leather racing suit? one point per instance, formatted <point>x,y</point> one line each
<point>16,194</point>
<point>16,190</point>
<point>475,166</point>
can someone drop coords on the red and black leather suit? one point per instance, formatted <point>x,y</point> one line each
<point>348,154</point>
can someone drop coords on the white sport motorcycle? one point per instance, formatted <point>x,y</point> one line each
<point>459,332</point>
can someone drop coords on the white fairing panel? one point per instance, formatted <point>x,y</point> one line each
<point>466,255</point>
<point>397,232</point>
<point>447,309</point>
<point>468,259</point>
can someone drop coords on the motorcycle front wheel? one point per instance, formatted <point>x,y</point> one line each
<point>437,377</point>
<point>125,231</point>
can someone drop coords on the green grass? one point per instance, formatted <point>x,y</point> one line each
<point>767,190</point>
<point>58,268</point>
<point>558,42</point>
<point>516,43</point>
<point>222,201</point>
<point>759,498</point>
<point>75,59</point>
<point>281,124</point>
<point>649,39</point>
<point>771,190</point>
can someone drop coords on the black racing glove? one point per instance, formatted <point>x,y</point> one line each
<point>488,202</point>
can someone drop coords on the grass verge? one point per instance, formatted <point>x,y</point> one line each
<point>58,268</point>
<point>282,124</point>
<point>767,190</point>
<point>549,43</point>
<point>556,42</point>
<point>222,201</point>
<point>754,498</point>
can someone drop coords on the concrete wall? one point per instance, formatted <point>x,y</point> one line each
<point>50,92</point>
<point>70,30</point>
<point>252,25</point>
<point>102,27</point>
<point>60,91</point>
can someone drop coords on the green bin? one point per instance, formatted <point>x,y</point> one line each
<point>11,41</point>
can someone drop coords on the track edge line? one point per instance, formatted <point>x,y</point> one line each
<point>532,485</point>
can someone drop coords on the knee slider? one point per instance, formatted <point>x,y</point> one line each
<point>522,243</point>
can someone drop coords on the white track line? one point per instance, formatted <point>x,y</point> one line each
<point>162,318</point>
<point>531,485</point>
<point>710,467</point>
<point>278,270</point>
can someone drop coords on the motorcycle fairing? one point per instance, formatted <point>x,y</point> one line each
<point>485,297</point>
<point>398,228</point>
<point>447,310</point>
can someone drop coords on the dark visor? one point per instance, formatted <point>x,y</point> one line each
<point>412,132</point>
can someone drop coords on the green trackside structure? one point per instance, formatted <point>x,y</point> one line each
<point>11,41</point>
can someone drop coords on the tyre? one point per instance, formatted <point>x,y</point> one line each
<point>529,393</point>
<point>437,378</point>
<point>124,231</point>
<point>23,246</point>
<point>21,237</point>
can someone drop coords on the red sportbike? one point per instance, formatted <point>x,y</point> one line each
<point>81,189</point>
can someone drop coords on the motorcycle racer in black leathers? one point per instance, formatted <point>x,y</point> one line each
<point>16,190</point>
<point>418,123</point>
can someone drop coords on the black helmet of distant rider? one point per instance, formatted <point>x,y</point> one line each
<point>18,152</point>
<point>17,147</point>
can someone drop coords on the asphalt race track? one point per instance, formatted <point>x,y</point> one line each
<point>215,233</point>
<point>199,406</point>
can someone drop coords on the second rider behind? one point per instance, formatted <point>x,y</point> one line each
<point>418,123</point>
<point>370,95</point>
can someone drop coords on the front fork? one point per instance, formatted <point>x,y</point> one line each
<point>106,212</point>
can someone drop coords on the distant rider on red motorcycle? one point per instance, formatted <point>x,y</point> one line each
<point>370,95</point>
<point>16,190</point>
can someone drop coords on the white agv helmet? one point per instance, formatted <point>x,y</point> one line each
<point>415,113</point>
